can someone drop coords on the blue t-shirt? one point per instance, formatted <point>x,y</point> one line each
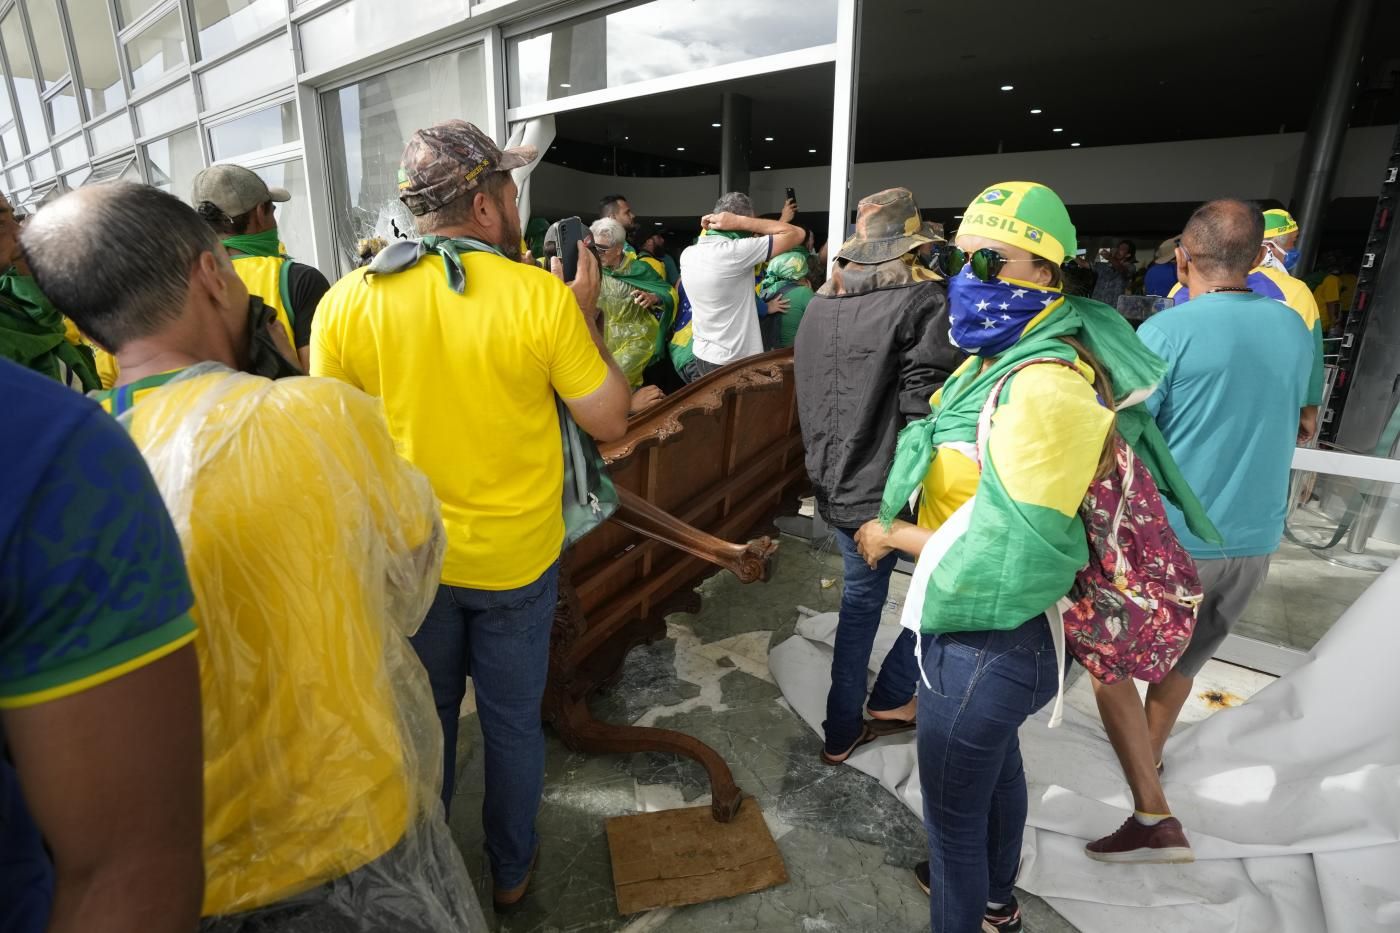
<point>1160,278</point>
<point>1237,377</point>
<point>92,577</point>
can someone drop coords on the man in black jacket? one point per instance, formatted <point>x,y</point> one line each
<point>872,348</point>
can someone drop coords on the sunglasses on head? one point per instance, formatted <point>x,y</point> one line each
<point>985,264</point>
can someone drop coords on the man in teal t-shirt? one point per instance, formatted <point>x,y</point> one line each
<point>1230,407</point>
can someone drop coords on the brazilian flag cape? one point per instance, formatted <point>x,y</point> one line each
<point>1023,541</point>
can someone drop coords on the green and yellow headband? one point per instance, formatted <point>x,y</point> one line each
<point>1024,214</point>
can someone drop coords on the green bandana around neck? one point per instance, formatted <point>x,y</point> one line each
<point>727,234</point>
<point>405,254</point>
<point>32,333</point>
<point>266,243</point>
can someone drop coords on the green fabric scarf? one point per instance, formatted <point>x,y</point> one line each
<point>1131,366</point>
<point>32,333</point>
<point>783,269</point>
<point>266,243</point>
<point>405,254</point>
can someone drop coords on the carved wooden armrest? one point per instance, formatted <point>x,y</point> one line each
<point>749,562</point>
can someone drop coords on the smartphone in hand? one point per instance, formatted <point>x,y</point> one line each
<point>571,231</point>
<point>791,195</point>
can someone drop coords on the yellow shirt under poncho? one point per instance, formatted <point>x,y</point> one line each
<point>312,549</point>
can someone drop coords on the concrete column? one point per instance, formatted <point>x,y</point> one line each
<point>1322,146</point>
<point>737,117</point>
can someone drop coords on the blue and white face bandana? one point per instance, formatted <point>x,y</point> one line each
<point>989,317</point>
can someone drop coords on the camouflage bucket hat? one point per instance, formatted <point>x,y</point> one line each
<point>887,226</point>
<point>448,160</point>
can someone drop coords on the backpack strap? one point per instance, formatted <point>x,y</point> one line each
<point>284,286</point>
<point>984,421</point>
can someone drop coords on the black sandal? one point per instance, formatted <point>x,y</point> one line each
<point>839,759</point>
<point>879,728</point>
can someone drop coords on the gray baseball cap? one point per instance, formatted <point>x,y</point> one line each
<point>234,189</point>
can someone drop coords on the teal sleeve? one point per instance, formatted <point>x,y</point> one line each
<point>1315,380</point>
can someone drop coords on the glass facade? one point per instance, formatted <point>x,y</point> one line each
<point>156,49</point>
<point>262,129</point>
<point>657,40</point>
<point>96,52</point>
<point>222,25</point>
<point>366,125</point>
<point>22,76</point>
<point>157,89</point>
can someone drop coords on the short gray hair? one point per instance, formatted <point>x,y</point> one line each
<point>735,202</point>
<point>607,232</point>
<point>118,289</point>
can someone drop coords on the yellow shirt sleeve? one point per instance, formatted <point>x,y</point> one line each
<point>326,338</point>
<point>576,368</point>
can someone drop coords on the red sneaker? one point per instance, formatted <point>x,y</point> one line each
<point>1139,844</point>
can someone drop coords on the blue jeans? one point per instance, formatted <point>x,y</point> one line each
<point>862,599</point>
<point>984,685</point>
<point>501,640</point>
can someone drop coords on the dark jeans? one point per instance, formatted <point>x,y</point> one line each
<point>984,685</point>
<point>862,599</point>
<point>697,369</point>
<point>26,874</point>
<point>500,638</point>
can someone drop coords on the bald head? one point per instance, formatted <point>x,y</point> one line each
<point>117,288</point>
<point>1222,238</point>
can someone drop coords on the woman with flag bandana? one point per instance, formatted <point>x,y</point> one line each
<point>1002,542</point>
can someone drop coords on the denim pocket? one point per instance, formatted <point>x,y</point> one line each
<point>951,666</point>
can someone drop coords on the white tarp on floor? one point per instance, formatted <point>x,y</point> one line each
<point>1292,800</point>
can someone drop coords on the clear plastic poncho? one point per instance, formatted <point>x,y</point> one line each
<point>314,551</point>
<point>629,330</point>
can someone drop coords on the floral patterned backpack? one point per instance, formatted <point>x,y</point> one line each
<point>1132,608</point>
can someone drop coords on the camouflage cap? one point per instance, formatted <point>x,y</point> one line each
<point>887,226</point>
<point>449,159</point>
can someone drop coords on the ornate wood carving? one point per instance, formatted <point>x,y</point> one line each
<point>713,463</point>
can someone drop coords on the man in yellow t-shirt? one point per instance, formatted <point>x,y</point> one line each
<point>468,348</point>
<point>320,757</point>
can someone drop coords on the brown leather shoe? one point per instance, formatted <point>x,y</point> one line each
<point>507,900</point>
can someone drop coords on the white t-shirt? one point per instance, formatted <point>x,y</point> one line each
<point>719,281</point>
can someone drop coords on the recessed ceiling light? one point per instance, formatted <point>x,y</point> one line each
<point>1007,87</point>
<point>767,167</point>
<point>768,139</point>
<point>680,149</point>
<point>812,150</point>
<point>627,137</point>
<point>1058,129</point>
<point>957,216</point>
<point>1073,145</point>
<point>566,85</point>
<point>715,125</point>
<point>657,223</point>
<point>1036,110</point>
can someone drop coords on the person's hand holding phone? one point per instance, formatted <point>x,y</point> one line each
<point>789,210</point>
<point>586,284</point>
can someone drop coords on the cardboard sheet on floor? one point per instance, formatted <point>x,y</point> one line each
<point>1291,800</point>
<point>675,857</point>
